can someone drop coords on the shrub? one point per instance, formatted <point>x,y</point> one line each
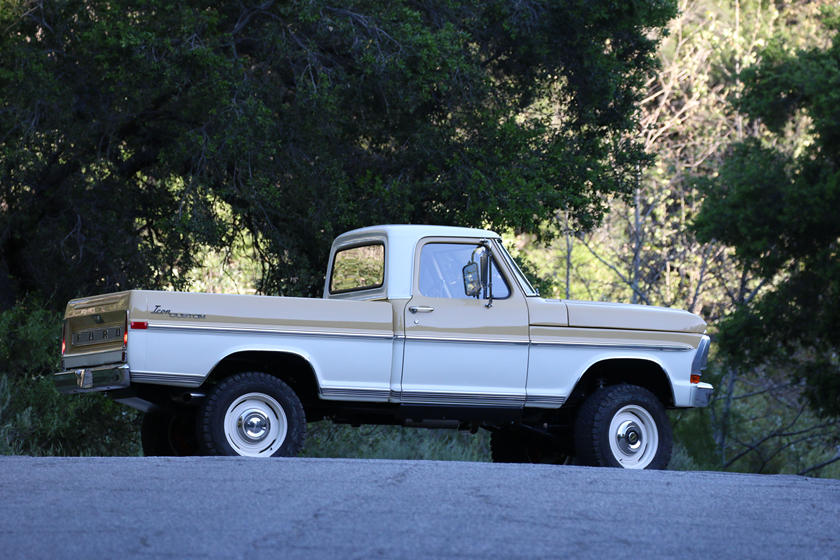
<point>35,419</point>
<point>325,439</point>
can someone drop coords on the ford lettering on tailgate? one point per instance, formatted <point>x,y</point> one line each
<point>96,336</point>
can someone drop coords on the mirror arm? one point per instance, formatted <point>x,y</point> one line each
<point>486,244</point>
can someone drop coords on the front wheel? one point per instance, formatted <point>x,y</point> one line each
<point>623,426</point>
<point>252,414</point>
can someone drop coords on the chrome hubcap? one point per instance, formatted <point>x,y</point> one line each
<point>634,438</point>
<point>629,437</point>
<point>253,425</point>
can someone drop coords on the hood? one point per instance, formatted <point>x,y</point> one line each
<point>600,315</point>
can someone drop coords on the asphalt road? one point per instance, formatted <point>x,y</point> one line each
<point>337,508</point>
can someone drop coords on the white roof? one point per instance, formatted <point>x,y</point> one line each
<point>399,256</point>
<point>417,231</point>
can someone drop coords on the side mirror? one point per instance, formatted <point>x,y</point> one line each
<point>472,280</point>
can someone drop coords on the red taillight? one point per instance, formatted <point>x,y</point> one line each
<point>63,345</point>
<point>695,378</point>
<point>139,325</point>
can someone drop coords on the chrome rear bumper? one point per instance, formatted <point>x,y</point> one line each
<point>89,380</point>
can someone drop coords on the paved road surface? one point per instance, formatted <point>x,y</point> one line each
<point>336,508</point>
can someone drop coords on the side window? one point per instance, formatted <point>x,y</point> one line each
<point>441,266</point>
<point>358,268</point>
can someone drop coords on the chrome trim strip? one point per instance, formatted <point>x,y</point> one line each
<point>161,378</point>
<point>352,394</point>
<point>617,345</point>
<point>119,348</point>
<point>91,359</point>
<point>254,330</point>
<point>461,339</point>
<point>463,399</point>
<point>544,401</point>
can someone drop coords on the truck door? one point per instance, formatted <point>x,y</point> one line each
<point>459,351</point>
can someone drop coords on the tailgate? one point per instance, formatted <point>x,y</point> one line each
<point>95,330</point>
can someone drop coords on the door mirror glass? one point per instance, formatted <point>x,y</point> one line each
<point>472,282</point>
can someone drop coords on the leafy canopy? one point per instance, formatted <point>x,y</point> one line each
<point>780,212</point>
<point>133,132</point>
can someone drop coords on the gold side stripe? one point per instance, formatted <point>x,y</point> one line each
<point>255,330</point>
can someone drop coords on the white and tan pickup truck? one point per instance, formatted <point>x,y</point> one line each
<point>425,326</point>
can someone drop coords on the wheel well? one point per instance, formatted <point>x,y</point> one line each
<point>643,373</point>
<point>293,369</point>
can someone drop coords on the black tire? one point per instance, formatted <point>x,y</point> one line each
<point>251,414</point>
<point>623,426</point>
<point>520,445</point>
<point>169,434</point>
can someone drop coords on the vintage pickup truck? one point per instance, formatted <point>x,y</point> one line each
<point>426,326</point>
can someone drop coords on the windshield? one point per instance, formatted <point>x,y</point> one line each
<point>520,277</point>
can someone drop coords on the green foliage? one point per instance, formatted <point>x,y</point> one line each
<point>234,269</point>
<point>139,140</point>
<point>325,439</point>
<point>693,437</point>
<point>31,341</point>
<point>37,420</point>
<point>127,126</point>
<point>681,460</point>
<point>779,211</point>
<point>646,251</point>
<point>34,418</point>
<point>7,439</point>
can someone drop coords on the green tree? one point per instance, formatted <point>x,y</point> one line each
<point>140,140</point>
<point>646,251</point>
<point>778,208</point>
<point>134,133</point>
<point>34,418</point>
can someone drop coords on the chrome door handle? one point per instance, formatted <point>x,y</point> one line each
<point>421,309</point>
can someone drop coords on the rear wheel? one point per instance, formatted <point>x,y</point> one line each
<point>623,426</point>
<point>252,414</point>
<point>169,433</point>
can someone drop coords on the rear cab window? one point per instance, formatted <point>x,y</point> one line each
<point>358,268</point>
